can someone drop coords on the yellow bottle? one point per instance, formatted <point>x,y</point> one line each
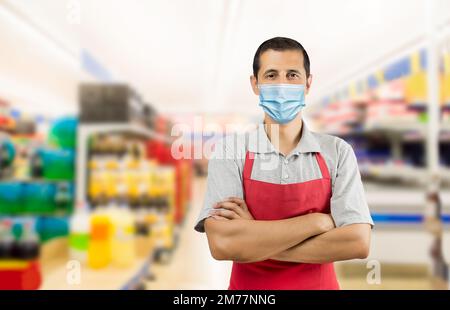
<point>123,241</point>
<point>99,251</point>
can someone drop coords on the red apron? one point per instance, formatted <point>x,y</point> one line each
<point>268,201</point>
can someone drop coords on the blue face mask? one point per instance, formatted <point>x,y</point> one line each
<point>282,102</point>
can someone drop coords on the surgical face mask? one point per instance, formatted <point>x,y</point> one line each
<point>282,102</point>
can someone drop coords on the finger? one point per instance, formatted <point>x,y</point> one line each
<point>214,214</point>
<point>232,207</point>
<point>238,201</point>
<point>219,218</point>
<point>231,215</point>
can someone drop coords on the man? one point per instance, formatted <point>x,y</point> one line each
<point>284,204</point>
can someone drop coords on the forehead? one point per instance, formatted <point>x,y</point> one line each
<point>281,60</point>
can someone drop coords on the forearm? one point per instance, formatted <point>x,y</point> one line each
<point>343,243</point>
<point>249,241</point>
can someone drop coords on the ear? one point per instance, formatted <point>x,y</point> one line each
<point>254,84</point>
<point>308,84</point>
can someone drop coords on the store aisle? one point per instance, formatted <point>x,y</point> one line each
<point>192,266</point>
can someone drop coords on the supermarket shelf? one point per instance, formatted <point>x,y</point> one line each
<point>83,134</point>
<point>405,173</point>
<point>9,180</point>
<point>56,272</point>
<point>88,129</point>
<point>404,126</point>
<point>397,126</point>
<point>445,175</point>
<point>385,198</point>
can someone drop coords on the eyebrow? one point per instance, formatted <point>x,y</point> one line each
<point>294,71</point>
<point>276,71</point>
<point>270,71</point>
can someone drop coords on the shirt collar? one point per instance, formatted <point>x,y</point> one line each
<point>260,143</point>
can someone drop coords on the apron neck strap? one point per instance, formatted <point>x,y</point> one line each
<point>248,165</point>
<point>250,158</point>
<point>323,166</point>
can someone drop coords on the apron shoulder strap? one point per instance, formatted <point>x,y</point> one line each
<point>248,165</point>
<point>323,166</point>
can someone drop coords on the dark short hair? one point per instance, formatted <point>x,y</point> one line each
<point>280,44</point>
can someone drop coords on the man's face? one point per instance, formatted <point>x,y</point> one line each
<point>281,67</point>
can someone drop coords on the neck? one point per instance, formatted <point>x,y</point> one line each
<point>284,137</point>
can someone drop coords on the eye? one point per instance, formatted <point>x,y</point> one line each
<point>270,76</point>
<point>293,75</point>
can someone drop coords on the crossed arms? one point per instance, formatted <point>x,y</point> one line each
<point>234,235</point>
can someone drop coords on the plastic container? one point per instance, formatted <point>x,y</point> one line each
<point>99,250</point>
<point>40,198</point>
<point>123,241</point>
<point>58,164</point>
<point>28,246</point>
<point>52,227</point>
<point>20,275</point>
<point>11,198</point>
<point>7,153</point>
<point>64,197</point>
<point>79,234</point>
<point>63,133</point>
<point>7,240</point>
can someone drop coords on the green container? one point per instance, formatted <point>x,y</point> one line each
<point>52,227</point>
<point>79,241</point>
<point>64,198</point>
<point>63,133</point>
<point>11,198</point>
<point>58,164</point>
<point>40,198</point>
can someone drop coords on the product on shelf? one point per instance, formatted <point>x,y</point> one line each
<point>38,180</point>
<point>123,239</point>
<point>35,198</point>
<point>7,241</point>
<point>11,198</point>
<point>416,83</point>
<point>63,133</point>
<point>27,247</point>
<point>7,154</point>
<point>37,166</point>
<point>445,81</point>
<point>79,234</point>
<point>140,190</point>
<point>50,227</point>
<point>58,164</point>
<point>108,236</point>
<point>19,266</point>
<point>39,198</point>
<point>99,249</point>
<point>144,241</point>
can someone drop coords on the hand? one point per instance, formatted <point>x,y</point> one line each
<point>233,208</point>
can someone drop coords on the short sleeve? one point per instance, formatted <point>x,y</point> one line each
<point>224,180</point>
<point>348,201</point>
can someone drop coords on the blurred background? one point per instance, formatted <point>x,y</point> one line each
<point>91,196</point>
